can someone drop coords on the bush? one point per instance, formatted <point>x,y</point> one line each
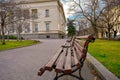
<point>9,37</point>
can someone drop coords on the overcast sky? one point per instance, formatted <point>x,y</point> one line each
<point>65,5</point>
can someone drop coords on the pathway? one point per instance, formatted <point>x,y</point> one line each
<point>24,63</point>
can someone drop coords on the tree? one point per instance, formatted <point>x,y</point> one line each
<point>71,29</point>
<point>6,12</point>
<point>82,26</point>
<point>21,17</point>
<point>110,16</point>
<point>11,13</point>
<point>91,10</point>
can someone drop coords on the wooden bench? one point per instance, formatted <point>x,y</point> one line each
<point>69,58</point>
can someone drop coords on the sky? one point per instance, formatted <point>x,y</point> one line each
<point>66,7</point>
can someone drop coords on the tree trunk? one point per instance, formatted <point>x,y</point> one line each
<point>3,34</point>
<point>109,35</point>
<point>18,36</point>
<point>94,26</point>
<point>8,36</point>
<point>96,32</point>
<point>2,31</point>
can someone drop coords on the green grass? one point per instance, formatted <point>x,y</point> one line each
<point>16,44</point>
<point>108,53</point>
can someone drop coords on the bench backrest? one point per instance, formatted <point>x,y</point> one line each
<point>86,41</point>
<point>80,43</point>
<point>71,53</point>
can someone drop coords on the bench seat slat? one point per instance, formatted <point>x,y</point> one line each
<point>82,37</point>
<point>68,62</point>
<point>80,42</point>
<point>79,47</point>
<point>49,65</point>
<point>76,61</point>
<point>60,62</point>
<point>41,71</point>
<point>79,53</point>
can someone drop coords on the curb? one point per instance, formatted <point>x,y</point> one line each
<point>101,71</point>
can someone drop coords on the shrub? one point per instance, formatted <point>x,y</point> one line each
<point>9,37</point>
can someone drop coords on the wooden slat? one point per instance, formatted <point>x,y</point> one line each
<point>78,46</point>
<point>79,53</point>
<point>60,63</point>
<point>81,42</point>
<point>50,64</point>
<point>82,37</point>
<point>41,71</point>
<point>76,61</point>
<point>67,66</point>
<point>67,45</point>
<point>81,48</point>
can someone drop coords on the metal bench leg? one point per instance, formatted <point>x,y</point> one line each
<point>80,75</point>
<point>56,77</point>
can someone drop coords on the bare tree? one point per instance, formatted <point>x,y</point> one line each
<point>6,11</point>
<point>11,13</point>
<point>82,25</point>
<point>21,17</point>
<point>91,10</point>
<point>110,16</point>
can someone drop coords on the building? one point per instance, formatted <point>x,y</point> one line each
<point>114,22</point>
<point>48,19</point>
<point>116,28</point>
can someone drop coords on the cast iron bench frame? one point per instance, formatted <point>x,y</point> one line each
<point>69,58</point>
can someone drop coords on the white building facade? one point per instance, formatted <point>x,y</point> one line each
<point>48,19</point>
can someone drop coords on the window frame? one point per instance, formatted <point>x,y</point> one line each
<point>34,13</point>
<point>47,25</point>
<point>36,27</point>
<point>47,13</point>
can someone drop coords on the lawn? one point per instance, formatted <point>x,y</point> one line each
<point>108,53</point>
<point>15,44</point>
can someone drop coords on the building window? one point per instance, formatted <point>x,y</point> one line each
<point>47,13</point>
<point>34,13</point>
<point>26,14</point>
<point>36,27</point>
<point>12,29</point>
<point>47,26</point>
<point>27,28</point>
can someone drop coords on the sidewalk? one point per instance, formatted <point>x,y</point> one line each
<point>24,63</point>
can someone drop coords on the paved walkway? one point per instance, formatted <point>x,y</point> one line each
<point>24,63</point>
